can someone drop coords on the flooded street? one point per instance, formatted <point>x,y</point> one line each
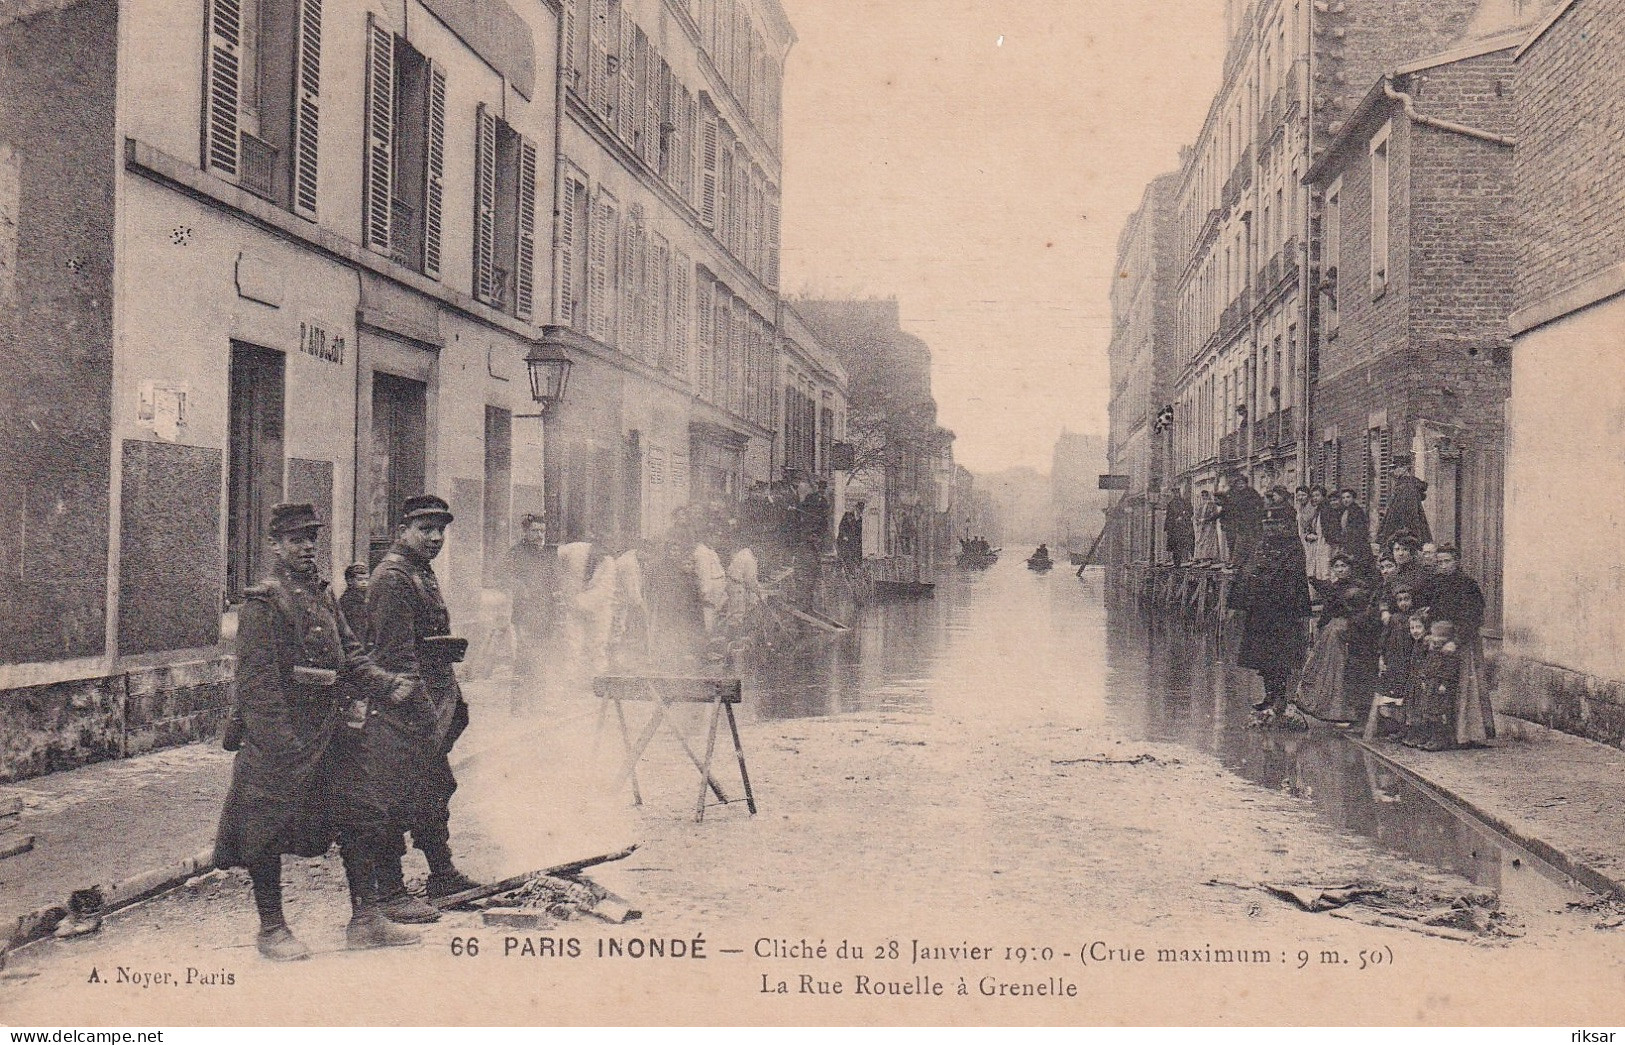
<point>1013,765</point>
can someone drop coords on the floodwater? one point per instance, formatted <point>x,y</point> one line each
<point>1010,645</point>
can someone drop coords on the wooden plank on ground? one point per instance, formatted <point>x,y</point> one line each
<point>16,846</point>
<point>481,892</point>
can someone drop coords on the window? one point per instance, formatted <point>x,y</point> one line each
<point>404,170</point>
<point>1379,212</point>
<point>602,242</point>
<point>262,98</point>
<point>399,454</point>
<point>504,216</point>
<point>1331,245</point>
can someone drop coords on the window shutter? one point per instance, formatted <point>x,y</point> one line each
<point>627,116</point>
<point>689,152</point>
<point>682,288</point>
<point>565,291</point>
<point>222,99</point>
<point>704,353</point>
<point>708,178</point>
<point>1385,454</point>
<point>659,354</point>
<point>599,82</point>
<point>525,266</point>
<point>652,104</point>
<point>379,188</point>
<point>307,106</point>
<point>772,237</point>
<point>569,61</point>
<point>485,199</point>
<point>434,190</point>
<point>1337,462</point>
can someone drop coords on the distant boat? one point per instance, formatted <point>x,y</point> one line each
<point>978,560</point>
<point>1040,564</point>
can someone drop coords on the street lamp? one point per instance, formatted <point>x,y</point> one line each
<point>549,367</point>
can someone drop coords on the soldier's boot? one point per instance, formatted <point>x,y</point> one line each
<point>368,927</point>
<point>275,941</point>
<point>281,945</point>
<point>444,878</point>
<point>394,901</point>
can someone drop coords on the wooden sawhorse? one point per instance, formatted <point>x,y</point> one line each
<point>663,692</point>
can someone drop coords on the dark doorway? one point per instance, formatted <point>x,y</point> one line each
<point>255,446</point>
<point>399,452</point>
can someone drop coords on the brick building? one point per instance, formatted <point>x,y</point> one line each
<point>251,253</point>
<point>1564,652</point>
<point>1294,73</point>
<point>1417,254</point>
<point>1141,356</point>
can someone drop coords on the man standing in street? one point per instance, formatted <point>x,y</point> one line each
<point>303,690</point>
<point>1242,517</point>
<point>411,635</point>
<point>533,572</point>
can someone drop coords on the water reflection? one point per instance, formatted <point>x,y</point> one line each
<point>1007,644</point>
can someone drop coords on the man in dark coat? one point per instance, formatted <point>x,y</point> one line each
<point>411,636</point>
<point>538,609</point>
<point>1177,527</point>
<point>353,602</point>
<point>303,689</point>
<point>1273,592</point>
<point>1241,514</point>
<point>1405,506</point>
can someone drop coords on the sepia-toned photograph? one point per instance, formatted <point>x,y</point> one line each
<point>803,513</point>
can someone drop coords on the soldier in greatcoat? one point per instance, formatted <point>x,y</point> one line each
<point>303,690</point>
<point>411,635</point>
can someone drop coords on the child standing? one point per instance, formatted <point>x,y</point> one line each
<point>1394,667</point>
<point>1436,684</point>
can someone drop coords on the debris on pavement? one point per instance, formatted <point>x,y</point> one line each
<point>84,914</point>
<point>1321,898</point>
<point>1469,916</point>
<point>469,896</point>
<point>1142,759</point>
<point>559,896</point>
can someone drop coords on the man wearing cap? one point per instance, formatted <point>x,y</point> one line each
<point>411,635</point>
<point>1405,506</point>
<point>302,679</point>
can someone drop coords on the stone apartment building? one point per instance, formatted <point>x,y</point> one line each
<point>1563,657</point>
<point>1294,73</point>
<point>1141,357</point>
<point>1417,252</point>
<point>252,253</point>
<point>812,414</point>
<point>666,257</point>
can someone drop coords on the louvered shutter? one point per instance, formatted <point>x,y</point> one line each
<point>1385,454</point>
<point>222,100</point>
<point>1337,462</point>
<point>485,200</point>
<point>773,238</point>
<point>565,290</point>
<point>708,176</point>
<point>525,265</point>
<point>599,81</point>
<point>627,116</point>
<point>378,191</point>
<point>704,354</point>
<point>682,288</point>
<point>736,361</point>
<point>601,235</point>
<point>623,280</point>
<point>434,189</point>
<point>307,106</point>
<point>688,155</point>
<point>659,304</point>
<point>570,60</point>
<point>679,477</point>
<point>653,105</point>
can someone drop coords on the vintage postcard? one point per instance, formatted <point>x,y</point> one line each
<point>811,512</point>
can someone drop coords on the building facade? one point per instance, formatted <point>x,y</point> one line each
<point>1294,73</point>
<point>666,257</point>
<point>311,272</point>
<point>812,386</point>
<point>1418,233</point>
<point>1141,359</point>
<point>1563,658</point>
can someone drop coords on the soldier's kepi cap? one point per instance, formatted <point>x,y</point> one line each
<point>425,506</point>
<point>291,518</point>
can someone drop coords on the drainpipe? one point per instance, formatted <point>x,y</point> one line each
<point>1443,125</point>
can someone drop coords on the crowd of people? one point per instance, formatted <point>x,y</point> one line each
<point>1343,624</point>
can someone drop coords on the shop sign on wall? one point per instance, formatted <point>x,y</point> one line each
<point>316,341</point>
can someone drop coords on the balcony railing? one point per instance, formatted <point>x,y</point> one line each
<point>258,171</point>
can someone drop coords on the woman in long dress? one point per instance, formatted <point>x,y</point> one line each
<point>1207,530</point>
<point>1316,552</point>
<point>1451,595</point>
<point>1340,675</point>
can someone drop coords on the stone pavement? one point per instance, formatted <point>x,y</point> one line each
<point>148,816</point>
